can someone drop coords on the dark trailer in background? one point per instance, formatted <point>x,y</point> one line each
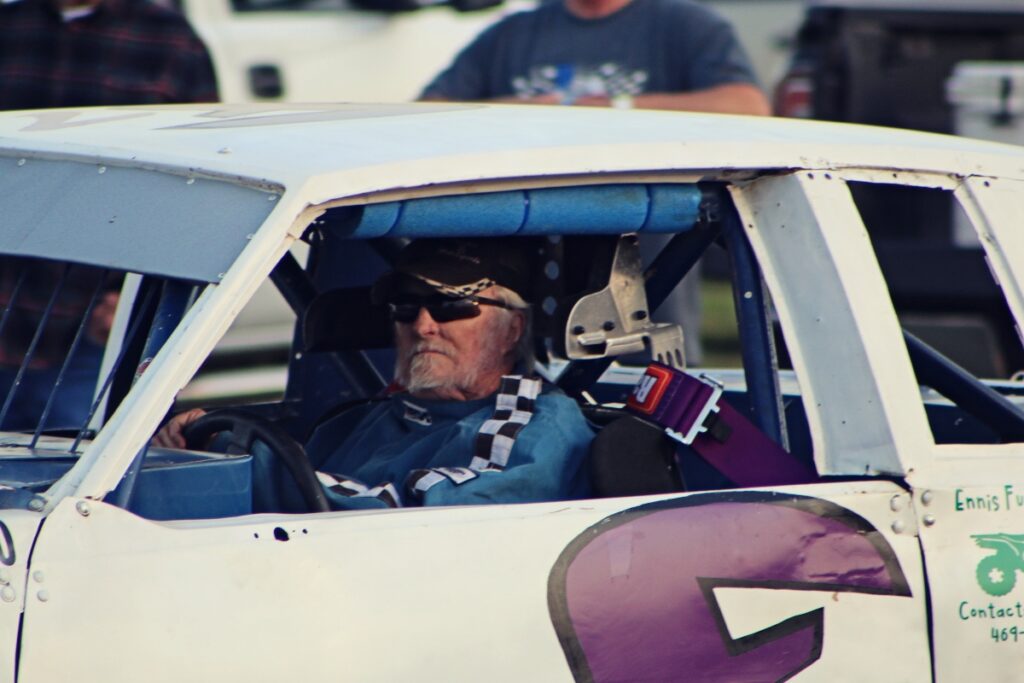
<point>887,62</point>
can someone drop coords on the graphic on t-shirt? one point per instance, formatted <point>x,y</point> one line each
<point>574,81</point>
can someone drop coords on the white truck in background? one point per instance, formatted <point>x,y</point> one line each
<point>333,50</point>
<point>387,50</point>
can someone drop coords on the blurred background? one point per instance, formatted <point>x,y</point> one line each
<point>944,66</point>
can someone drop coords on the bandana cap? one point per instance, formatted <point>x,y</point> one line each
<point>456,268</point>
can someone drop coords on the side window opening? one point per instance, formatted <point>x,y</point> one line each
<point>64,362</point>
<point>334,242</point>
<point>74,340</point>
<point>322,378</point>
<point>956,321</point>
<point>55,322</point>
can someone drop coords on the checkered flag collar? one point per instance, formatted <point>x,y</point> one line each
<point>513,408</point>
<point>456,291</point>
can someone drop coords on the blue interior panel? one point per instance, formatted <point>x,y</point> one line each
<point>171,485</point>
<point>203,489</point>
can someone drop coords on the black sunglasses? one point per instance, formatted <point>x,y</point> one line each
<point>442,310</point>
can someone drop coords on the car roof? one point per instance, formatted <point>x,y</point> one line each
<point>345,149</point>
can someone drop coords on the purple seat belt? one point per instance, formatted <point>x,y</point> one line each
<point>690,411</point>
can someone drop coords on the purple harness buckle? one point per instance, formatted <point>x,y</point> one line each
<point>699,413</point>
<point>684,406</point>
<point>691,410</point>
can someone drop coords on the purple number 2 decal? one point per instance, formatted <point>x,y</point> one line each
<point>632,597</point>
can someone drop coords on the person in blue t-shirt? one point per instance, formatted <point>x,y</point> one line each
<point>649,54</point>
<point>465,422</point>
<point>677,55</point>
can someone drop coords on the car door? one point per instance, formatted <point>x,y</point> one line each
<point>742,585</point>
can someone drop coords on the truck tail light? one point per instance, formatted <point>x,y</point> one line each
<point>794,95</point>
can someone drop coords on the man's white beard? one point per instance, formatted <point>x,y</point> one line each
<point>428,371</point>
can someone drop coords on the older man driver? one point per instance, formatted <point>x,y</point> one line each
<point>464,423</point>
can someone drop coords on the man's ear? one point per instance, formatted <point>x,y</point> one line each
<point>515,330</point>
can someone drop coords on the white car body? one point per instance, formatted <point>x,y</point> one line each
<point>92,591</point>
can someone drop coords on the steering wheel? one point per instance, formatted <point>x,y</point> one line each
<point>246,429</point>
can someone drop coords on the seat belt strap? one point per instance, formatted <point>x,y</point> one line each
<point>691,411</point>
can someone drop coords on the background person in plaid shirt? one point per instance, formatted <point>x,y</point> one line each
<point>79,53</point>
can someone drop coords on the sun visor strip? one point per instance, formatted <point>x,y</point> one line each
<point>594,209</point>
<point>130,219</point>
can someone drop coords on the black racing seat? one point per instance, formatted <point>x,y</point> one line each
<point>633,457</point>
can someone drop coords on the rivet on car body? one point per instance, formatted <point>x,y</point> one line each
<point>898,526</point>
<point>38,576</point>
<point>5,577</point>
<point>21,162</point>
<point>36,505</point>
<point>7,594</point>
<point>190,181</point>
<point>83,508</point>
<point>101,170</point>
<point>224,150</point>
<point>272,198</point>
<point>928,520</point>
<point>896,503</point>
<point>44,596</point>
<point>926,498</point>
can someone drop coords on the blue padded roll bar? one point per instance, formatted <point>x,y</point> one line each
<point>591,209</point>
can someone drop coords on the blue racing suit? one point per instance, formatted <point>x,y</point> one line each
<point>523,444</point>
